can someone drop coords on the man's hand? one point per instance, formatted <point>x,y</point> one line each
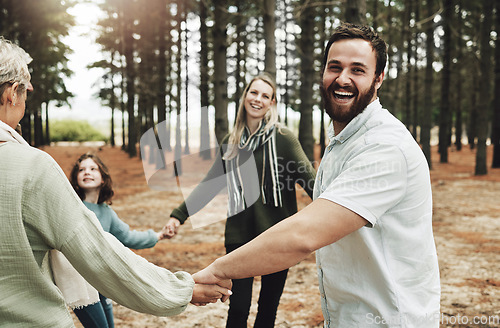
<point>210,277</point>
<point>204,294</point>
<point>170,229</point>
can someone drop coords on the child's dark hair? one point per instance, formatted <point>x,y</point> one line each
<point>106,192</point>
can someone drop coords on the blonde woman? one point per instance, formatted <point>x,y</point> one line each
<point>280,163</point>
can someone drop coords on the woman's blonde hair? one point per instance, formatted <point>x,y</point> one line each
<point>270,119</point>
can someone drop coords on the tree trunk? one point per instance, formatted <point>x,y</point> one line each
<point>473,112</point>
<point>445,83</point>
<point>37,124</point>
<point>355,12</point>
<point>123,87</point>
<point>269,30</point>
<point>286,97</point>
<point>388,93</point>
<point>425,133</point>
<point>123,109</point>
<point>241,55</point>
<point>416,74</point>
<point>205,152</point>
<point>408,36</point>
<point>178,137</point>
<point>167,139</point>
<point>308,77</point>
<point>47,130</point>
<point>220,70</point>
<point>186,83</point>
<point>322,132</point>
<point>131,75</point>
<point>458,80</point>
<point>495,137</point>
<point>484,87</point>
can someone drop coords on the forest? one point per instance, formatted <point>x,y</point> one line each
<point>443,72</point>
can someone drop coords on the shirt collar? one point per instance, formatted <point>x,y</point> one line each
<point>355,124</point>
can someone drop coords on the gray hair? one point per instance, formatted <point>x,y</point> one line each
<point>13,65</point>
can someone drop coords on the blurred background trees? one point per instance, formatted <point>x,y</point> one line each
<point>39,30</point>
<point>442,72</point>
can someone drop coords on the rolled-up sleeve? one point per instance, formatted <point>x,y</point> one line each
<point>371,181</point>
<point>125,277</point>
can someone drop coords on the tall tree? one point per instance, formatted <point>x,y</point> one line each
<point>425,134</point>
<point>495,137</point>
<point>484,87</point>
<point>146,50</point>
<point>269,32</point>
<point>205,152</point>
<point>407,41</point>
<point>286,23</point>
<point>445,82</point>
<point>308,73</point>
<point>130,71</point>
<point>39,30</point>
<point>389,92</point>
<point>220,69</point>
<point>178,56</point>
<point>186,82</point>
<point>355,11</point>
<point>474,107</point>
<point>323,40</point>
<point>164,41</point>
<point>458,80</point>
<point>240,22</point>
<point>108,88</point>
<point>415,71</point>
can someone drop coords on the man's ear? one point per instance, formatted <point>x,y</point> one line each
<point>378,80</point>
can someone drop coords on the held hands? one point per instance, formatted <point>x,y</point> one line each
<point>209,277</point>
<point>170,229</point>
<point>204,294</point>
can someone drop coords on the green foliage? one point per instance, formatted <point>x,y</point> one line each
<point>69,130</point>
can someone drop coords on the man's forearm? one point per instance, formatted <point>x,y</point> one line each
<point>319,224</point>
<point>276,249</point>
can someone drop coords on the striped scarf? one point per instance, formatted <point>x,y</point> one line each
<point>243,193</point>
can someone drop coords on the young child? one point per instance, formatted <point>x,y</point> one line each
<point>91,180</point>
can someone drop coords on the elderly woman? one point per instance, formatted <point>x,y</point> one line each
<point>39,212</point>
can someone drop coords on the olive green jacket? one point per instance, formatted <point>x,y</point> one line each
<point>294,168</point>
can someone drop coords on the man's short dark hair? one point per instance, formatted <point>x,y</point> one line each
<point>352,31</point>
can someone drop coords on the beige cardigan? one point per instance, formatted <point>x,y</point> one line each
<point>39,211</point>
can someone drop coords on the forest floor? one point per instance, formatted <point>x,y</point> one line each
<point>466,228</point>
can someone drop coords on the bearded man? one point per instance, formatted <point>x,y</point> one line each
<point>371,219</point>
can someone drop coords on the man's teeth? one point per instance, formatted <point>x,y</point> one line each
<point>344,94</point>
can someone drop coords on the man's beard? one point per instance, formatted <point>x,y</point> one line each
<point>339,114</point>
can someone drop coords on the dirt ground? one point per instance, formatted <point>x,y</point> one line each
<point>466,225</point>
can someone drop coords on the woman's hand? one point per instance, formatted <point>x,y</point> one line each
<point>170,229</point>
<point>204,294</point>
<point>209,276</point>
